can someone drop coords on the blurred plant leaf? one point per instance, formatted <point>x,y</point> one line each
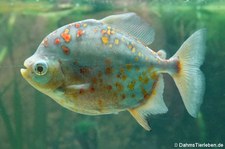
<point>3,53</point>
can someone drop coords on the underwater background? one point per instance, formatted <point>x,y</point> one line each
<point>31,120</point>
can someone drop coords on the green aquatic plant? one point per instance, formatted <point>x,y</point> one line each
<point>3,53</point>
<point>86,133</point>
<point>5,117</point>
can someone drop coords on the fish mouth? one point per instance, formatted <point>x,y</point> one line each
<point>24,70</point>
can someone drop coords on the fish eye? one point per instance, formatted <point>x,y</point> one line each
<point>40,68</point>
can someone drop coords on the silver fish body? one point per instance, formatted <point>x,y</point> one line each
<point>104,66</point>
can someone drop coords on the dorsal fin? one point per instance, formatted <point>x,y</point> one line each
<point>132,24</point>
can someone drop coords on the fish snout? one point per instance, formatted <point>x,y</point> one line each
<point>24,71</point>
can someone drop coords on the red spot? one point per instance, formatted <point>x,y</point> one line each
<point>119,86</point>
<point>65,50</point>
<point>109,87</point>
<point>84,70</point>
<point>108,70</point>
<point>77,25</point>
<point>66,37</point>
<point>146,96</point>
<point>81,91</point>
<point>123,96</point>
<point>118,75</point>
<point>57,41</point>
<point>103,31</point>
<point>152,92</point>
<point>92,89</point>
<point>80,33</point>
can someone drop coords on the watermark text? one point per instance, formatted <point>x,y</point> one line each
<point>200,145</point>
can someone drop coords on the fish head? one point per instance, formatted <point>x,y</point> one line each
<point>43,72</point>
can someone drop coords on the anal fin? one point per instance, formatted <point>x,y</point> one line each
<point>153,105</point>
<point>140,119</point>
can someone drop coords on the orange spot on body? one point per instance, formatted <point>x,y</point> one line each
<point>118,75</point>
<point>146,96</point>
<point>145,93</point>
<point>146,80</point>
<point>108,70</point>
<point>124,77</point>
<point>66,36</point>
<point>130,46</point>
<point>57,41</point>
<point>81,91</point>
<point>92,89</point>
<point>77,25</point>
<point>123,96</point>
<point>105,39</point>
<point>128,66</point>
<point>103,31</point>
<point>154,75</point>
<point>65,50</point>
<point>140,78</point>
<point>131,85</point>
<point>45,42</point>
<point>85,70</point>
<point>122,70</point>
<point>119,86</point>
<point>108,32</point>
<point>109,87</point>
<point>80,33</point>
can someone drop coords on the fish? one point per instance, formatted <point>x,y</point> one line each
<point>97,67</point>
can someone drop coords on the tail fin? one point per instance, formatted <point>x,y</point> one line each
<point>189,78</point>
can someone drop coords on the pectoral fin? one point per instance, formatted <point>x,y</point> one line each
<point>79,86</point>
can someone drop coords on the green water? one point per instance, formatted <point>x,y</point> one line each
<point>31,120</point>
